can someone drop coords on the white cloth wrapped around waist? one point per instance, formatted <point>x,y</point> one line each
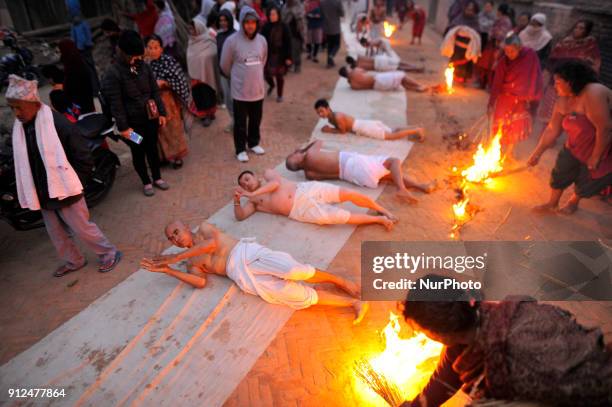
<point>362,170</point>
<point>371,128</point>
<point>386,81</point>
<point>272,275</point>
<point>313,204</point>
<point>384,63</point>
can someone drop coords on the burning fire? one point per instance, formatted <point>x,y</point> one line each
<point>448,74</point>
<point>459,209</point>
<point>405,363</point>
<point>389,29</point>
<point>486,161</point>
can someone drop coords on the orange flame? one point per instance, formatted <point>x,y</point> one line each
<point>407,363</point>
<point>448,74</point>
<point>487,161</point>
<point>389,29</point>
<point>459,209</point>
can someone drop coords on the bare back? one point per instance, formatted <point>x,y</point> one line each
<point>216,261</point>
<point>279,201</point>
<point>342,121</point>
<point>321,161</point>
<point>359,79</point>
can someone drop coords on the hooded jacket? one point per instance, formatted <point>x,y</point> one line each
<point>243,60</point>
<point>224,35</point>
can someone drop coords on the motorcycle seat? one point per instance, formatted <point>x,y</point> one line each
<point>92,125</point>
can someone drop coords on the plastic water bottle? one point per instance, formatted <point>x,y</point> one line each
<point>135,137</point>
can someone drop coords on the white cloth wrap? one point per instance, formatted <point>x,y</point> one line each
<point>371,128</point>
<point>385,63</point>
<point>472,53</point>
<point>62,181</point>
<point>272,275</point>
<point>362,170</point>
<point>312,204</point>
<point>386,81</point>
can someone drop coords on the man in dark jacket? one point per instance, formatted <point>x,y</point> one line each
<point>131,92</point>
<point>52,163</point>
<point>332,12</point>
<point>225,28</point>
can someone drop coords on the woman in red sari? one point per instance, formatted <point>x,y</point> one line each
<point>517,83</point>
<point>490,52</point>
<point>578,45</point>
<point>583,110</point>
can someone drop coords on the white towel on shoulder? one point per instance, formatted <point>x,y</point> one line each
<point>62,180</point>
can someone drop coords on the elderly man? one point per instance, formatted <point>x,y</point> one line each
<point>274,276</point>
<point>309,202</point>
<point>52,162</point>
<point>360,169</point>
<point>360,79</point>
<point>342,123</point>
<point>517,83</point>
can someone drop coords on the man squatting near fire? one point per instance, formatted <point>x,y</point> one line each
<point>359,169</point>
<point>274,276</point>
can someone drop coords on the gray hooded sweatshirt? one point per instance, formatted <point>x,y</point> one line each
<point>243,61</point>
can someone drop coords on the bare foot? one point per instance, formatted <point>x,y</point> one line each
<point>407,197</point>
<point>389,215</point>
<point>569,208</point>
<point>361,308</point>
<point>419,137</point>
<point>546,208</point>
<point>387,223</point>
<point>429,188</point>
<point>421,88</point>
<point>351,288</point>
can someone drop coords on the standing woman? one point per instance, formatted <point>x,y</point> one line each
<point>278,37</point>
<point>295,18</point>
<point>203,68</point>
<point>174,92</point>
<point>578,45</point>
<point>583,112</point>
<point>419,17</point>
<point>491,52</point>
<point>378,14</point>
<point>314,33</point>
<point>77,83</point>
<point>132,94</point>
<point>537,37</point>
<point>225,28</point>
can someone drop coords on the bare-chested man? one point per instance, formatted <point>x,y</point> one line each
<point>273,276</point>
<point>309,202</point>
<point>342,123</point>
<point>360,79</point>
<point>380,57</point>
<point>363,170</point>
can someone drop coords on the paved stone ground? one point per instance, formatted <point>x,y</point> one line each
<point>310,361</point>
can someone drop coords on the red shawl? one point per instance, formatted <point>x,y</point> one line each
<point>521,77</point>
<point>585,49</point>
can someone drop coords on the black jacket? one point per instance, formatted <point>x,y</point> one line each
<point>282,49</point>
<point>126,94</point>
<point>77,153</point>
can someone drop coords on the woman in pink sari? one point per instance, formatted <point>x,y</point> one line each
<point>517,83</point>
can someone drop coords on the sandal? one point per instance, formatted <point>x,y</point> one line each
<point>148,190</point>
<point>105,268</point>
<point>63,270</point>
<point>161,184</point>
<point>177,164</point>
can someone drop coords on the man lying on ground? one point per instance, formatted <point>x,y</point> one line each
<point>363,170</point>
<point>360,79</point>
<point>273,276</point>
<point>380,57</point>
<point>342,123</point>
<point>309,202</point>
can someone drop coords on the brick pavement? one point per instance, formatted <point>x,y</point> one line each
<point>309,362</point>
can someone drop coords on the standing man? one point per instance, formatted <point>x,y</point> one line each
<point>52,162</point>
<point>81,35</point>
<point>243,60</point>
<point>332,12</point>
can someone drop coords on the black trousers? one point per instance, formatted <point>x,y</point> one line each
<point>247,119</point>
<point>569,170</point>
<point>147,150</point>
<point>333,45</point>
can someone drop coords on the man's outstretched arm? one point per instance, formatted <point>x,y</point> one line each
<point>207,246</point>
<point>242,212</point>
<point>191,279</point>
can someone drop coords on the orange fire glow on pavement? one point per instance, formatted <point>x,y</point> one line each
<point>448,74</point>
<point>407,363</point>
<point>389,29</point>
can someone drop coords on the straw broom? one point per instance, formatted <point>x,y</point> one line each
<point>378,383</point>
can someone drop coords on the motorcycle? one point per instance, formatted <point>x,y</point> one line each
<point>19,62</point>
<point>95,127</point>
